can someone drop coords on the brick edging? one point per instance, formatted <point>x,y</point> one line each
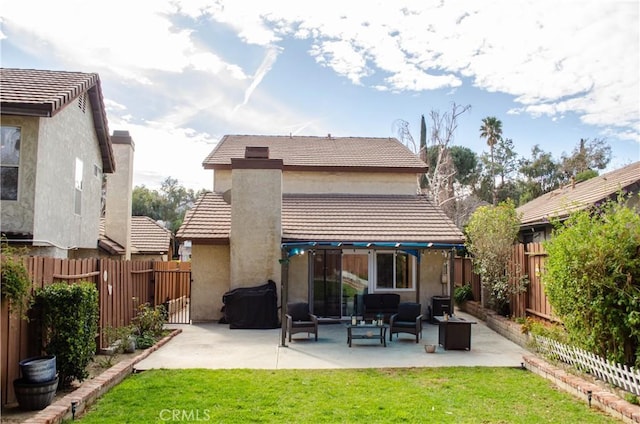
<point>601,398</point>
<point>578,387</point>
<point>91,390</point>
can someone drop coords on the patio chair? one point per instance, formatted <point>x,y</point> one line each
<point>407,320</point>
<point>300,320</point>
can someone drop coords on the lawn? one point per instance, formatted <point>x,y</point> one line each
<point>411,395</point>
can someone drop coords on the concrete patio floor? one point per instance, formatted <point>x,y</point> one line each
<point>213,345</point>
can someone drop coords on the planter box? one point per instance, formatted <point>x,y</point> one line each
<point>38,369</point>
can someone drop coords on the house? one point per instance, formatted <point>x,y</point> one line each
<point>326,218</point>
<point>150,240</point>
<point>55,149</point>
<point>536,215</point>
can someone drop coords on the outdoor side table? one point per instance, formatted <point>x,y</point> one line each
<point>454,333</point>
<point>367,331</point>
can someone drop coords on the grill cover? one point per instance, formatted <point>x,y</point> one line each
<point>252,307</point>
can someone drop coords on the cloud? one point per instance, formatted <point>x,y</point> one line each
<point>554,58</point>
<point>263,69</point>
<point>177,152</point>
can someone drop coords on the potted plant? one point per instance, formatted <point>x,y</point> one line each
<point>15,280</point>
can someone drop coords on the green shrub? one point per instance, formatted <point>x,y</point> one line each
<point>632,399</point>
<point>491,233</point>
<point>149,324</point>
<point>15,281</point>
<point>462,293</point>
<point>69,327</point>
<point>592,280</point>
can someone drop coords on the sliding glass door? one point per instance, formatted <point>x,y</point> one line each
<point>337,277</point>
<point>327,293</point>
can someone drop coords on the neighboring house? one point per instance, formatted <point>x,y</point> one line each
<point>184,251</point>
<point>149,241</point>
<point>536,215</point>
<point>324,217</point>
<point>55,149</point>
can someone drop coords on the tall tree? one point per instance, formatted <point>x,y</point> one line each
<point>588,155</point>
<point>168,205</point>
<point>423,150</point>
<point>491,129</point>
<point>506,159</point>
<point>465,162</point>
<point>541,172</point>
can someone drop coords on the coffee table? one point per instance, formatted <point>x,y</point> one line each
<point>367,331</point>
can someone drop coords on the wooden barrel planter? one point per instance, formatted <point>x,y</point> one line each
<point>35,396</point>
<point>38,369</point>
<point>37,387</point>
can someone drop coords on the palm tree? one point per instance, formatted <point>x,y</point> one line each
<point>491,129</point>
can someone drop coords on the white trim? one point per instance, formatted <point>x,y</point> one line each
<point>374,262</point>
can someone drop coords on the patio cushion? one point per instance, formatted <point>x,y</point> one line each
<point>298,311</point>
<point>408,312</point>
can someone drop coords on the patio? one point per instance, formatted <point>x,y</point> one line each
<point>213,345</point>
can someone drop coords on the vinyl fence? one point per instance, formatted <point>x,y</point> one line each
<point>627,378</point>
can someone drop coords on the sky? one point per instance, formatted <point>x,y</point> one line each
<point>180,74</point>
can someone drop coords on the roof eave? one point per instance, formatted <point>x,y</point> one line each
<point>102,128</point>
<point>27,109</point>
<point>312,168</point>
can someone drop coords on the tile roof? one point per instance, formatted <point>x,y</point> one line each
<point>353,153</point>
<point>391,218</point>
<point>147,237</point>
<point>209,219</point>
<point>35,92</point>
<point>346,218</point>
<point>561,202</point>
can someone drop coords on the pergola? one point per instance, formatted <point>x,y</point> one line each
<point>294,248</point>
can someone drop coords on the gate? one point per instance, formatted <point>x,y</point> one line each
<point>172,289</point>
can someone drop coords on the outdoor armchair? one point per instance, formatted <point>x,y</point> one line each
<point>300,320</point>
<point>407,320</point>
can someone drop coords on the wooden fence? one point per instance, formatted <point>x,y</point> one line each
<point>627,378</point>
<point>526,260</point>
<point>122,286</point>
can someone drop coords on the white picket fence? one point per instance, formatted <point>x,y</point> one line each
<point>627,378</point>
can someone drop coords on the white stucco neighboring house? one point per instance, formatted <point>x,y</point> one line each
<point>55,149</point>
<point>325,218</point>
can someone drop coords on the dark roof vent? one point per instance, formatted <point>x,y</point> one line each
<point>256,153</point>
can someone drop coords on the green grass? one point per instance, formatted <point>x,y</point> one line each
<point>415,395</point>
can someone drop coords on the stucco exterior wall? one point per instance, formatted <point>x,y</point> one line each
<point>68,135</point>
<point>299,279</point>
<point>256,226</point>
<point>334,182</point>
<point>211,275</point>
<point>431,276</point>
<point>17,215</point>
<point>119,196</point>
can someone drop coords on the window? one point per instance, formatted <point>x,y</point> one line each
<point>395,270</point>
<point>78,187</point>
<point>9,162</point>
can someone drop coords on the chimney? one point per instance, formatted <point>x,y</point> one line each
<point>256,218</point>
<point>117,217</point>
